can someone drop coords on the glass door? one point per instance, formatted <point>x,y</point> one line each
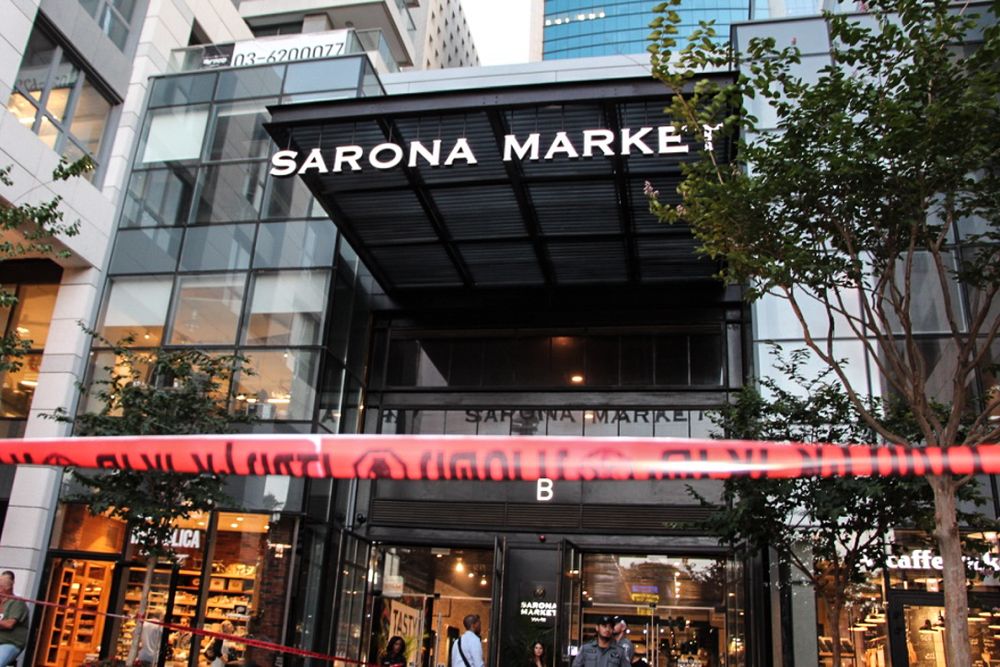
<point>570,595</point>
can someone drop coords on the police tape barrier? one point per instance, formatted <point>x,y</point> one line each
<point>173,627</point>
<point>497,458</point>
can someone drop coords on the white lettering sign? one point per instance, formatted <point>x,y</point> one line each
<point>286,48</point>
<point>925,559</point>
<point>538,612</point>
<point>543,490</point>
<point>182,538</point>
<point>595,143</point>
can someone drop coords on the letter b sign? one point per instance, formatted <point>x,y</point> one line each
<point>543,491</point>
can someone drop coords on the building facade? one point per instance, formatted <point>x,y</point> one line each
<point>466,254</point>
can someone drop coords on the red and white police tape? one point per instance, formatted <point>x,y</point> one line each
<point>496,458</point>
<point>246,641</point>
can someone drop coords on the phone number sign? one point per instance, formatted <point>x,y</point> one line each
<point>281,49</point>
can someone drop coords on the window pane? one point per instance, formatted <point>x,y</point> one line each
<point>282,387</point>
<point>90,6</point>
<point>295,244</point>
<point>125,8</point>
<point>207,309</point>
<point>102,364</point>
<point>217,248</point>
<point>17,388</point>
<point>35,64</point>
<point>706,360</point>
<point>63,82</point>
<point>114,27</point>
<point>231,193</point>
<point>238,131</point>
<point>636,360</point>
<point>671,360</point>
<point>160,197</point>
<point>287,308</point>
<point>33,313</point>
<point>174,134</point>
<point>182,90</point>
<point>602,360</point>
<point>329,74</point>
<point>290,198</point>
<point>531,360</point>
<point>568,361</point>
<point>150,250</point>
<point>928,314</point>
<point>48,133</point>
<point>402,363</point>
<point>343,308</point>
<point>25,111</point>
<point>236,84</point>
<point>466,363</point>
<point>89,117</point>
<point>136,306</point>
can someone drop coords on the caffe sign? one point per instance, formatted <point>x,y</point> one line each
<point>659,140</point>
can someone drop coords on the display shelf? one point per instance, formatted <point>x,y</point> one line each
<point>70,637</point>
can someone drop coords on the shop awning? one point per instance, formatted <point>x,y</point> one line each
<point>524,222</point>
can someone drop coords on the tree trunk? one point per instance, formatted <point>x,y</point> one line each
<point>956,597</point>
<point>834,607</point>
<point>147,583</point>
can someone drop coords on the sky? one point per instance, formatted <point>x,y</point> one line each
<point>500,29</point>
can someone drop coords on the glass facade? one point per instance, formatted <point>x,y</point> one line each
<point>581,28</point>
<point>213,253</point>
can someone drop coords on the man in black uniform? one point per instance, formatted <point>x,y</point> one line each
<point>620,634</point>
<point>603,651</point>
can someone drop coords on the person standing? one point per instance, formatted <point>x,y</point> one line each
<point>149,640</point>
<point>468,649</point>
<point>621,637</point>
<point>13,621</point>
<point>538,657</point>
<point>395,653</point>
<point>603,651</point>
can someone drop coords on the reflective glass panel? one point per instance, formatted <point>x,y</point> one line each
<point>17,387</point>
<point>207,309</point>
<point>329,74</point>
<point>149,250</point>
<point>63,81</point>
<point>33,313</point>
<point>182,90</point>
<point>136,306</point>
<point>287,308</point>
<point>159,197</point>
<point>283,386</point>
<point>290,198</point>
<point>231,192</point>
<point>174,134</point>
<point>89,117</point>
<point>295,244</point>
<point>239,83</point>
<point>238,131</point>
<point>217,247</point>
<point>35,64</point>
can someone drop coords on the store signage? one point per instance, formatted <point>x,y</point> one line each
<point>925,559</point>
<point>392,586</point>
<point>538,611</point>
<point>543,490</point>
<point>182,538</point>
<point>274,50</point>
<point>660,140</point>
<point>590,416</point>
<point>403,619</point>
<point>649,594</point>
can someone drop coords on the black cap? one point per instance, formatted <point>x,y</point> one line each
<point>606,620</point>
<point>617,619</point>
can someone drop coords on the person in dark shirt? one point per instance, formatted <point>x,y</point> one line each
<point>538,657</point>
<point>395,653</point>
<point>603,651</point>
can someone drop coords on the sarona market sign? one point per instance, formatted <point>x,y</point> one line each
<point>661,140</point>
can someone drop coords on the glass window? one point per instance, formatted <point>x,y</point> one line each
<point>238,131</point>
<point>182,90</point>
<point>671,359</point>
<point>602,361</point>
<point>207,309</point>
<point>287,308</point>
<point>76,529</point>
<point>149,250</point>
<point>217,248</point>
<point>328,74</point>
<point>17,387</point>
<point>105,363</point>
<point>282,387</point>
<point>531,360</point>
<point>230,192</point>
<point>136,306</point>
<point>290,198</point>
<point>174,134</point>
<point>33,313</point>
<point>331,394</point>
<point>159,197</point>
<point>340,315</point>
<point>239,83</point>
<point>706,359</point>
<point>927,314</point>
<point>295,244</point>
<point>466,363</point>
<point>636,360</point>
<point>53,96</point>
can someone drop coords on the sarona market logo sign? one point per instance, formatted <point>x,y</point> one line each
<point>662,140</point>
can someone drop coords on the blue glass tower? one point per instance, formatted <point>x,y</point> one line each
<point>579,28</point>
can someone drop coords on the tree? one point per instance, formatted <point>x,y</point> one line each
<point>831,529</point>
<point>877,165</point>
<point>30,230</point>
<point>161,392</point>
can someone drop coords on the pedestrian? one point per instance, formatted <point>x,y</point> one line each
<point>13,621</point>
<point>149,640</point>
<point>621,637</point>
<point>395,653</point>
<point>602,651</point>
<point>538,657</point>
<point>468,649</point>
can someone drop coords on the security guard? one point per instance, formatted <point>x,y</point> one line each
<point>603,651</point>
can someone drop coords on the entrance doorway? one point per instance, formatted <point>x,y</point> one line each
<point>681,611</point>
<point>421,594</point>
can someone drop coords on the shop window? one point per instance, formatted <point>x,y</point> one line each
<point>76,529</point>
<point>103,364</point>
<point>287,308</point>
<point>283,386</point>
<point>136,307</point>
<point>114,17</point>
<point>207,309</point>
<point>54,96</point>
<point>71,634</point>
<point>29,320</point>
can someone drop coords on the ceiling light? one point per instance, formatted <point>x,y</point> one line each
<point>460,566</point>
<point>483,582</point>
<point>576,379</point>
<point>22,330</point>
<point>472,575</point>
<point>234,525</point>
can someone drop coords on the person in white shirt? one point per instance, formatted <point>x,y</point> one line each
<point>468,649</point>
